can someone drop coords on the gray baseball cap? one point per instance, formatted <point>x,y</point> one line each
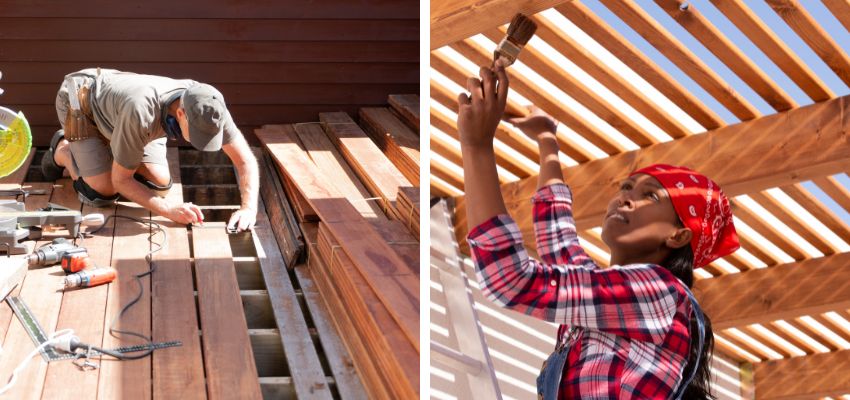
<point>207,115</point>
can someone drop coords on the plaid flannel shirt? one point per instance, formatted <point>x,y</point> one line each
<point>631,322</point>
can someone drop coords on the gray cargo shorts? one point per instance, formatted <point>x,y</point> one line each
<point>90,157</point>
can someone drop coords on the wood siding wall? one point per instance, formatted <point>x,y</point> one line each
<point>274,61</point>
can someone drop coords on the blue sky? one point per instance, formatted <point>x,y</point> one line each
<point>779,27</point>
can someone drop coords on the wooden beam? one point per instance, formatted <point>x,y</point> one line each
<point>785,291</point>
<point>775,48</point>
<point>821,42</point>
<point>809,377</point>
<point>722,47</point>
<point>841,10</point>
<point>455,20</point>
<point>635,59</point>
<point>679,54</point>
<point>543,99</point>
<point>780,149</point>
<point>602,72</point>
<point>575,88</point>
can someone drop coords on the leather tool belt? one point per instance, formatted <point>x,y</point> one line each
<point>79,124</point>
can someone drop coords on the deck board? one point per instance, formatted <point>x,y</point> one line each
<point>228,357</point>
<point>177,372</point>
<point>84,311</point>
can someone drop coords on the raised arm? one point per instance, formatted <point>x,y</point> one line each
<point>478,116</point>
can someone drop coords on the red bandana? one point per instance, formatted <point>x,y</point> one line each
<point>702,207</point>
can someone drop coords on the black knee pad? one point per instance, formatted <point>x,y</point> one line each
<point>91,197</point>
<point>150,185</point>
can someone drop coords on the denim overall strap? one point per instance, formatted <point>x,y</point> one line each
<point>549,380</point>
<point>701,328</point>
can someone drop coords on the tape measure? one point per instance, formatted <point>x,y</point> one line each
<point>34,330</point>
<point>15,140</point>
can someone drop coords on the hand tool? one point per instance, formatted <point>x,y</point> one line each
<point>91,277</point>
<point>519,33</point>
<point>53,252</point>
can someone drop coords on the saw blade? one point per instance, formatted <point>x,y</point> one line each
<point>15,141</point>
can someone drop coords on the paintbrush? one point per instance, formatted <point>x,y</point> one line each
<point>519,33</point>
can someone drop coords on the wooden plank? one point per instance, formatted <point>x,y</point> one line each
<point>841,10</point>
<point>406,105</point>
<point>374,169</point>
<point>663,41</point>
<point>409,209</point>
<point>722,47</point>
<point>808,377</point>
<point>371,378</point>
<point>503,159</point>
<point>382,268</point>
<point>600,31</point>
<point>573,87</point>
<point>780,154</point>
<point>308,378</point>
<point>177,372</point>
<point>770,232</point>
<point>455,20</point>
<point>541,98</point>
<point>128,378</point>
<point>39,291</point>
<point>835,190</point>
<point>399,143</point>
<point>811,31</point>
<point>84,311</point>
<point>775,48</point>
<point>227,71</point>
<point>517,141</point>
<point>263,9</point>
<point>277,207</point>
<point>241,94</point>
<point>204,29</point>
<point>614,81</point>
<point>339,360</point>
<point>785,291</point>
<point>373,257</point>
<point>327,158</point>
<point>203,51</point>
<point>387,347</point>
<point>228,359</point>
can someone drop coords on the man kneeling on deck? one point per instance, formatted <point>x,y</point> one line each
<point>115,127</point>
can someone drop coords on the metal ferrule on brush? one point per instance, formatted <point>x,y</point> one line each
<point>507,50</point>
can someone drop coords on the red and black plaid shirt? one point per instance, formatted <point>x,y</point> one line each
<point>631,321</point>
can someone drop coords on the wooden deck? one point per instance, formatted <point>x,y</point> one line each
<point>250,328</point>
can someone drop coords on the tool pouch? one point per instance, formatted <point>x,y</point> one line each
<point>78,123</point>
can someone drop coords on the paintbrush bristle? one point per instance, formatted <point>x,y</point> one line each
<point>521,29</point>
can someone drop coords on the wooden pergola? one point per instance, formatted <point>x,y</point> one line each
<point>780,304</point>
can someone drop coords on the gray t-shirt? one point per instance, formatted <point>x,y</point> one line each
<point>127,109</point>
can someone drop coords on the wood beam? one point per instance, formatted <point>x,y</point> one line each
<point>721,46</point>
<point>456,20</point>
<point>639,62</point>
<point>684,58</point>
<point>785,292</point>
<point>772,151</point>
<point>812,32</point>
<point>809,377</point>
<point>774,48</point>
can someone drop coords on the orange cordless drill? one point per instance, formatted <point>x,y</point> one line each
<point>90,277</point>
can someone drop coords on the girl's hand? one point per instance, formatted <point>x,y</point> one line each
<point>479,112</point>
<point>535,123</point>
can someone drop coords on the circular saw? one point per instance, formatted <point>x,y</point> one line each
<point>15,140</point>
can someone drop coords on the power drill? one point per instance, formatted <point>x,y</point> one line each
<point>53,252</point>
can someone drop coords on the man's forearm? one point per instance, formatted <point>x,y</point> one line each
<point>249,182</point>
<point>480,178</point>
<point>138,193</point>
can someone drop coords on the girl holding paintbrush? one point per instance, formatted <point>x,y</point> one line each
<point>632,330</point>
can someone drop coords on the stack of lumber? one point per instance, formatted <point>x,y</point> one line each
<point>407,206</point>
<point>395,138</point>
<point>363,258</point>
<point>407,107</point>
